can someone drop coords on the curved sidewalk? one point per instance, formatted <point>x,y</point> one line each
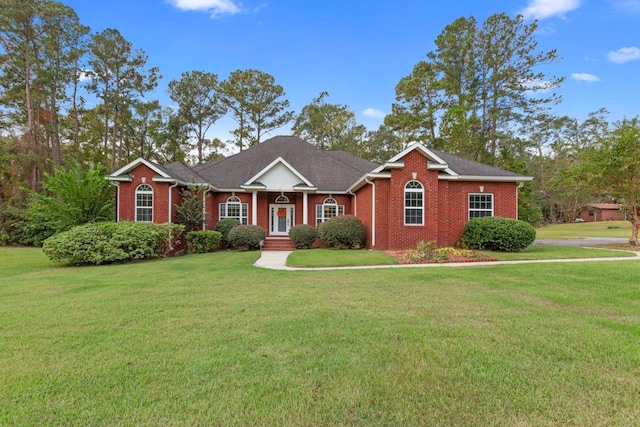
<point>277,260</point>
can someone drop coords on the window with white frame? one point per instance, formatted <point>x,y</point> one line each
<point>480,205</point>
<point>234,208</point>
<point>327,210</point>
<point>144,203</point>
<point>413,203</point>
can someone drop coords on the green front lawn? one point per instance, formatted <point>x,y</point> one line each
<point>323,257</point>
<point>581,230</point>
<point>211,340</point>
<point>542,252</point>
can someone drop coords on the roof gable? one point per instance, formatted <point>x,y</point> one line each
<point>318,169</point>
<point>279,175</point>
<point>123,171</point>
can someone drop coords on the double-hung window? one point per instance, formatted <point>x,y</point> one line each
<point>480,205</point>
<point>413,203</point>
<point>234,208</point>
<point>144,203</point>
<point>327,210</point>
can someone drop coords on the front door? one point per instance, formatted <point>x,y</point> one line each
<point>281,219</point>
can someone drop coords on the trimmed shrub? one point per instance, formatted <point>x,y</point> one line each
<point>109,242</point>
<point>498,234</point>
<point>246,237</point>
<point>224,226</point>
<point>344,231</point>
<point>203,241</point>
<point>303,236</point>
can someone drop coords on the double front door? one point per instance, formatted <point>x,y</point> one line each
<point>281,219</point>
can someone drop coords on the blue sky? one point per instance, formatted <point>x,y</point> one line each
<point>357,50</point>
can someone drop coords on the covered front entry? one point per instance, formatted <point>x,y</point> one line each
<point>281,219</point>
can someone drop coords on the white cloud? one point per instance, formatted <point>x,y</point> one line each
<point>215,7</point>
<point>585,77</point>
<point>373,113</point>
<point>624,54</point>
<point>542,9</point>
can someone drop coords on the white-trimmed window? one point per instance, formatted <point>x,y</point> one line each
<point>327,210</point>
<point>480,205</point>
<point>234,208</point>
<point>144,203</point>
<point>413,203</point>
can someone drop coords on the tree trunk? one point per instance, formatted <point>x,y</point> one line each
<point>635,225</point>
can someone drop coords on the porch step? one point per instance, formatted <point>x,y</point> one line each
<point>278,244</point>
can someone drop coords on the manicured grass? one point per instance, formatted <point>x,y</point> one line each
<point>323,257</point>
<point>541,252</point>
<point>211,340</point>
<point>585,229</point>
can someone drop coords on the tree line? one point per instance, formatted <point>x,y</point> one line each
<point>72,97</point>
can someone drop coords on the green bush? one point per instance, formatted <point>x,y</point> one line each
<point>109,242</point>
<point>246,237</point>
<point>498,234</point>
<point>344,231</point>
<point>203,241</point>
<point>15,226</point>
<point>303,236</point>
<point>224,226</point>
<point>72,196</point>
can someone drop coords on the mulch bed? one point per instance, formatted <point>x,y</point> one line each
<point>402,258</point>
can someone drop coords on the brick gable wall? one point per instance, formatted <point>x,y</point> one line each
<point>446,207</point>
<point>127,202</point>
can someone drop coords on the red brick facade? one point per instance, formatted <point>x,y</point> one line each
<point>379,202</point>
<point>446,206</point>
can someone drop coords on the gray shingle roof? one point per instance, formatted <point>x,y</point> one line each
<point>327,171</point>
<point>183,173</point>
<point>465,167</point>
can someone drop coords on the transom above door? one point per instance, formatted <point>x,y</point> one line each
<point>281,219</point>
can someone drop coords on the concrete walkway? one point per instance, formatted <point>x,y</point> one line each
<point>277,260</point>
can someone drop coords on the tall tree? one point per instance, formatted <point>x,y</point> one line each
<point>613,165</point>
<point>256,103</point>
<point>199,105</point>
<point>329,126</point>
<point>20,32</point>
<point>419,99</point>
<point>473,92</point>
<point>118,78</point>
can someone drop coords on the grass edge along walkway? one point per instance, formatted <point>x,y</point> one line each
<point>277,260</point>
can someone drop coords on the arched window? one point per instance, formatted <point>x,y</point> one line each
<point>144,203</point>
<point>327,210</point>
<point>234,208</point>
<point>282,199</point>
<point>413,203</point>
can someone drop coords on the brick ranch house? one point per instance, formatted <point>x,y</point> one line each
<point>421,194</point>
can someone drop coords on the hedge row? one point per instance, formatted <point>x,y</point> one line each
<point>109,242</point>
<point>498,234</point>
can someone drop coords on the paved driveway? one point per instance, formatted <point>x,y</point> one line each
<point>587,241</point>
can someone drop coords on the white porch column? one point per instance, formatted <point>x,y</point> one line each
<point>254,208</point>
<point>305,208</point>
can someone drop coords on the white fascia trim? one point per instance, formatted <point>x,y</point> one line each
<point>389,165</point>
<point>485,178</point>
<point>272,164</point>
<point>363,181</point>
<point>137,162</point>
<point>417,146</point>
<point>253,187</point>
<point>121,178</point>
<point>179,182</point>
<point>437,166</point>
